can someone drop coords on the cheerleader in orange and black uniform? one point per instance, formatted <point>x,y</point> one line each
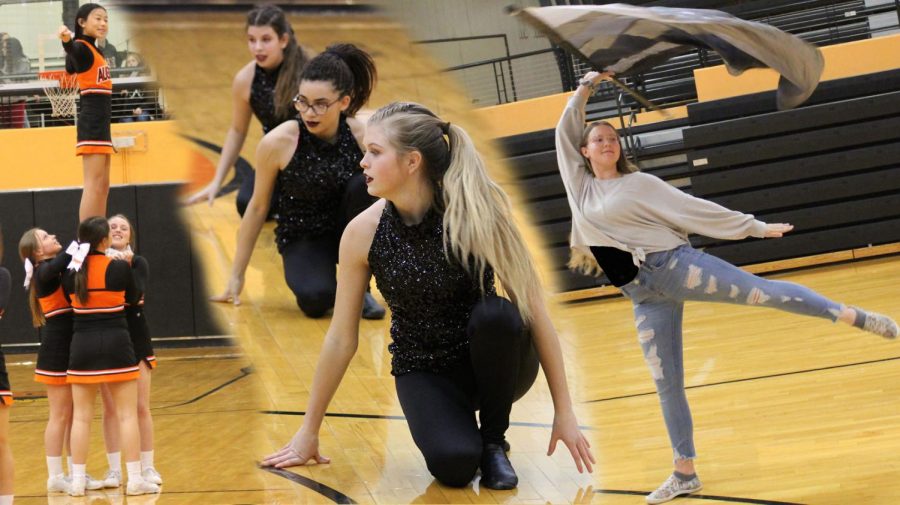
<point>6,399</point>
<point>45,262</point>
<point>122,239</point>
<point>101,350</point>
<point>95,110</point>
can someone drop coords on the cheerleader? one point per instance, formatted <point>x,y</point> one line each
<point>101,351</point>
<point>123,241</point>
<point>95,111</point>
<point>6,400</point>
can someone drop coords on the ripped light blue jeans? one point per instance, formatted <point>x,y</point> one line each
<point>664,282</point>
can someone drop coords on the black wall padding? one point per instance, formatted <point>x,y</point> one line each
<point>834,239</point>
<point>816,116</point>
<point>813,192</point>
<point>176,301</point>
<point>167,246</point>
<point>16,216</point>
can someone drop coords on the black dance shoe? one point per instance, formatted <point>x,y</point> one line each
<point>496,470</point>
<point>371,308</point>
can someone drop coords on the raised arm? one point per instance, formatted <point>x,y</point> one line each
<point>340,343</point>
<point>79,57</point>
<point>273,153</point>
<point>569,131</point>
<point>565,425</point>
<point>52,268</point>
<point>234,139</point>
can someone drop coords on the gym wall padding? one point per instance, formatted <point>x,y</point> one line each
<point>176,304</point>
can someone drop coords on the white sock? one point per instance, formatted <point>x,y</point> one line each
<point>54,465</point>
<point>6,499</point>
<point>79,471</point>
<point>134,470</point>
<point>146,459</point>
<point>115,460</point>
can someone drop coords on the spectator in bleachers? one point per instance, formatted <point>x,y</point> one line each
<point>12,58</point>
<point>137,105</point>
<point>110,54</point>
<point>12,62</point>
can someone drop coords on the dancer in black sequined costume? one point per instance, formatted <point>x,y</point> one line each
<point>435,243</point>
<point>315,159</point>
<point>263,87</point>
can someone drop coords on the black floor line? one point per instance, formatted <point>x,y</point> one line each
<point>747,379</point>
<point>244,373</point>
<point>731,499</point>
<point>332,494</point>
<point>397,418</point>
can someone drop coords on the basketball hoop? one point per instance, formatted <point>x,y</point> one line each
<point>61,89</point>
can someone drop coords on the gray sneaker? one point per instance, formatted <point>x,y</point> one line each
<point>880,324</point>
<point>672,488</point>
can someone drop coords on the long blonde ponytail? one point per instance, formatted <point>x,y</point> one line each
<point>479,229</point>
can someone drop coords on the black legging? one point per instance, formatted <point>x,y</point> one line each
<point>440,407</point>
<point>310,264</point>
<point>245,191</point>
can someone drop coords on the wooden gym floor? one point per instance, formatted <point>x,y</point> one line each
<point>786,409</point>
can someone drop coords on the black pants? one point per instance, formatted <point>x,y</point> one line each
<point>245,191</point>
<point>310,264</point>
<point>440,407</point>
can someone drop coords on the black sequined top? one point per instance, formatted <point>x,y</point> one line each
<point>312,184</point>
<point>430,297</point>
<point>262,98</point>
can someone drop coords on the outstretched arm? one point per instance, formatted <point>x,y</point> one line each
<point>565,425</point>
<point>340,344</point>
<point>234,139</point>
<point>271,155</point>
<point>701,216</point>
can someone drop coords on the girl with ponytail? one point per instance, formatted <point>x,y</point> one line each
<point>315,159</point>
<point>435,243</point>
<point>101,350</point>
<point>51,311</point>
<point>264,88</point>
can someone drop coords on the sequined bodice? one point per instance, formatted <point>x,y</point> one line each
<point>262,98</point>
<point>312,184</point>
<point>430,297</point>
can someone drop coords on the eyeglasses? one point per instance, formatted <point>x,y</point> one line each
<point>318,108</point>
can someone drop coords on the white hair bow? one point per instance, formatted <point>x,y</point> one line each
<point>29,270</point>
<point>78,252</point>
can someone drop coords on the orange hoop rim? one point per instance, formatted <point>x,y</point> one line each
<point>65,79</point>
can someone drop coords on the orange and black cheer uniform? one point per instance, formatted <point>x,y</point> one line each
<point>137,321</point>
<point>56,333</point>
<point>6,396</point>
<point>101,347</point>
<point>95,85</point>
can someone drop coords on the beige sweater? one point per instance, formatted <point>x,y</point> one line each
<point>638,213</point>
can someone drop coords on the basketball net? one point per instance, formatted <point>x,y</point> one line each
<point>61,89</point>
